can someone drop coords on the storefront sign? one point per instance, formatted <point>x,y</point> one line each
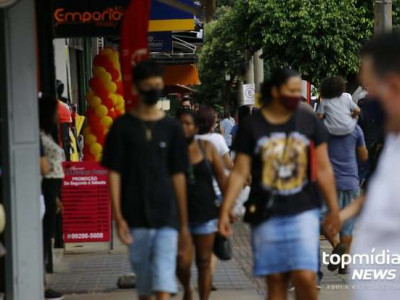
<point>160,41</point>
<point>86,201</point>
<point>78,18</point>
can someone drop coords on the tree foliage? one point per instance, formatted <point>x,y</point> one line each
<point>223,52</point>
<point>318,38</point>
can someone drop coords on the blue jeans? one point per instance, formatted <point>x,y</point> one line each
<point>153,256</point>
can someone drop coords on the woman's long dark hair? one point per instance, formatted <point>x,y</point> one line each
<point>206,119</point>
<point>278,78</point>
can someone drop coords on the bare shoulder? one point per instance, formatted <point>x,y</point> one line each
<point>209,147</point>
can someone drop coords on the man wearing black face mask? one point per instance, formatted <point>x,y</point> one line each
<point>146,154</point>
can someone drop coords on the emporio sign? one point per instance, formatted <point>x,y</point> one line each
<point>110,14</point>
<point>77,18</point>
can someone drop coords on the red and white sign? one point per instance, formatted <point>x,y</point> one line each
<point>86,201</point>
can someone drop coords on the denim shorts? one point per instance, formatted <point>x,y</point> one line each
<point>153,256</point>
<point>286,243</point>
<point>204,228</point>
<point>345,198</point>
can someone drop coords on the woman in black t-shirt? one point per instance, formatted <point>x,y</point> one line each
<point>276,146</point>
<point>205,163</point>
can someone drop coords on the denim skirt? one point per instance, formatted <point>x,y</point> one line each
<point>286,243</point>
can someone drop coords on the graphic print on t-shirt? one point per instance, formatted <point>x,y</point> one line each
<point>284,162</point>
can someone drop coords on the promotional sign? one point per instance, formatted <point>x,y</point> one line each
<point>160,41</point>
<point>249,92</point>
<point>94,18</point>
<point>86,201</point>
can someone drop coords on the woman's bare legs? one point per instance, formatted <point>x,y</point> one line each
<point>204,245</point>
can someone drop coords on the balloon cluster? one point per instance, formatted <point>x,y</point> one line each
<point>105,100</point>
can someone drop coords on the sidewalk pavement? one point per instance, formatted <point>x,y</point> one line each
<point>93,275</point>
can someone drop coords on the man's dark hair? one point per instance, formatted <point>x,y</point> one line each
<point>206,119</point>
<point>184,111</point>
<point>47,113</point>
<point>384,50</point>
<point>227,115</point>
<point>332,87</point>
<point>147,69</point>
<point>60,88</point>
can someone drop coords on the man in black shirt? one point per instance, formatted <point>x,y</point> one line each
<point>146,154</point>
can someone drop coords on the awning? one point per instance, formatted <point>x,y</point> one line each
<point>181,75</point>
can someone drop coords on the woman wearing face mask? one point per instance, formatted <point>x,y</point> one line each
<point>276,146</point>
<point>204,164</point>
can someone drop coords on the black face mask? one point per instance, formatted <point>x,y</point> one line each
<point>150,97</point>
<point>189,140</point>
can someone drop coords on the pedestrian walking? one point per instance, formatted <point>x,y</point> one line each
<point>337,107</point>
<point>146,155</point>
<point>204,164</point>
<point>378,231</point>
<point>371,122</point>
<point>343,153</point>
<point>227,124</point>
<point>244,112</point>
<point>275,146</point>
<point>52,179</point>
<point>207,121</point>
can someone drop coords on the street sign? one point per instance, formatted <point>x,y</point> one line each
<point>249,94</point>
<point>160,41</point>
<point>94,18</point>
<point>86,201</point>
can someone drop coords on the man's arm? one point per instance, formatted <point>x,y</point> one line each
<point>123,231</point>
<point>352,209</point>
<point>179,183</point>
<point>356,112</point>
<point>362,153</point>
<point>326,184</point>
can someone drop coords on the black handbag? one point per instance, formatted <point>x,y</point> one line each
<point>222,248</point>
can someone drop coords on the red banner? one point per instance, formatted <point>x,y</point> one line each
<point>134,44</point>
<point>86,201</point>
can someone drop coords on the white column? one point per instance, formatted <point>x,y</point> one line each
<point>258,70</point>
<point>24,261</point>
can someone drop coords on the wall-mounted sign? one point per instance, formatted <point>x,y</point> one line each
<point>160,41</point>
<point>78,18</point>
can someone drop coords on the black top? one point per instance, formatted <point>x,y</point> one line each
<point>202,203</point>
<point>290,176</point>
<point>147,154</point>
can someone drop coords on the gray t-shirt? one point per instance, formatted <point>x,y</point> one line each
<point>343,156</point>
<point>338,114</point>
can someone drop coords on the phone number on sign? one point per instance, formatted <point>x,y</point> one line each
<point>82,236</point>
